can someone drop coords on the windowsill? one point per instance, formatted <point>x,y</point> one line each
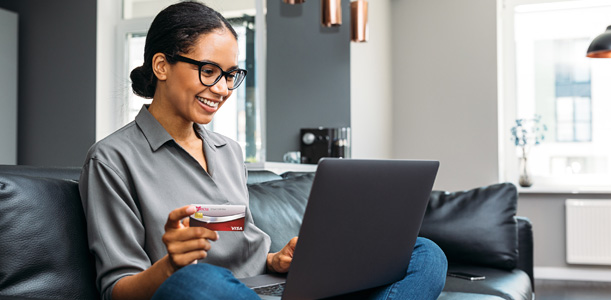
<point>280,167</point>
<point>577,190</point>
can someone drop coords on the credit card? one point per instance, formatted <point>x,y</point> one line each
<point>219,217</point>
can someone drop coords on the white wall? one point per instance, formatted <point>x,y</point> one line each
<point>150,8</point>
<point>108,77</point>
<point>445,88</point>
<point>371,86</point>
<point>8,86</point>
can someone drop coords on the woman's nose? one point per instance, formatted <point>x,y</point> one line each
<point>220,87</point>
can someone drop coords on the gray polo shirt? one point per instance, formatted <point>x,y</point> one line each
<point>136,176</point>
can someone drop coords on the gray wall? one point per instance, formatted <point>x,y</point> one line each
<point>547,213</point>
<point>445,88</point>
<point>57,80</point>
<point>8,87</point>
<point>308,74</point>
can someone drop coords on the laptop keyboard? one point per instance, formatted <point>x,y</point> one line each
<point>270,290</point>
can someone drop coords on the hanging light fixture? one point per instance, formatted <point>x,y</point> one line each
<point>601,45</point>
<point>359,26</point>
<point>293,1</point>
<point>331,13</point>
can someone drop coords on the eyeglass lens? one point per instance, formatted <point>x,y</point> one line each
<point>211,74</point>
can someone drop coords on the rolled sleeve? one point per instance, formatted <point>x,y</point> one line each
<point>114,225</point>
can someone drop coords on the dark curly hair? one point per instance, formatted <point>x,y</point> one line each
<point>174,30</point>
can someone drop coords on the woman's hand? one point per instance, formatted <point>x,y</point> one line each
<point>280,261</point>
<point>186,244</point>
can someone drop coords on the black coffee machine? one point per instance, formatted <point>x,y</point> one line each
<point>317,143</point>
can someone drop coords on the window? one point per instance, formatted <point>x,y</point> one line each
<point>572,93</point>
<point>546,73</point>
<point>240,117</point>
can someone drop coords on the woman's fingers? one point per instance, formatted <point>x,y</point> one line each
<point>189,233</point>
<point>186,244</point>
<point>177,215</point>
<point>281,261</point>
<point>186,259</point>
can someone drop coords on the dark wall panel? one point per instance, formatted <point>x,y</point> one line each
<point>57,80</point>
<point>308,74</point>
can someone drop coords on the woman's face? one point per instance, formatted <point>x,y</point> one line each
<point>183,89</point>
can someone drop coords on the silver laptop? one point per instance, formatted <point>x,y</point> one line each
<point>358,231</point>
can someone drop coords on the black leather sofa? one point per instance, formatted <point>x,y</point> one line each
<point>44,252</point>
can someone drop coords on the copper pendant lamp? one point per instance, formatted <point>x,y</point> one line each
<point>601,45</point>
<point>293,1</point>
<point>331,13</point>
<point>359,27</point>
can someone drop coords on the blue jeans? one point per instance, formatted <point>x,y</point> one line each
<point>425,279</point>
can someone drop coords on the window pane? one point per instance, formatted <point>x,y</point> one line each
<point>583,110</point>
<point>564,132</point>
<point>564,109</point>
<point>583,132</point>
<point>135,45</point>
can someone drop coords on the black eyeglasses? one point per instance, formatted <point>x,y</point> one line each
<point>210,73</point>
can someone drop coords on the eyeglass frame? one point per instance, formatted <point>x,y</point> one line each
<point>201,64</point>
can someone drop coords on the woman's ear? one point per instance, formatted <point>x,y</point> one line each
<point>160,66</point>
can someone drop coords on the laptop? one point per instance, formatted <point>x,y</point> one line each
<point>358,231</point>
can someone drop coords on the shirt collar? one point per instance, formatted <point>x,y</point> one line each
<point>156,135</point>
<point>212,140</point>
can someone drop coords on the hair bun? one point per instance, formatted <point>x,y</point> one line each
<point>143,84</point>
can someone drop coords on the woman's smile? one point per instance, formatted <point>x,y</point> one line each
<point>209,105</point>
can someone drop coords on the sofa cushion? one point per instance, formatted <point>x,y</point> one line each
<point>43,242</point>
<point>465,296</point>
<point>278,207</point>
<point>257,176</point>
<point>506,284</point>
<point>475,226</point>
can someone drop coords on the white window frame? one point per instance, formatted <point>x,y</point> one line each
<point>508,164</point>
<point>125,27</point>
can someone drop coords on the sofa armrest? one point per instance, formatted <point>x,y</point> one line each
<point>525,248</point>
<point>44,252</point>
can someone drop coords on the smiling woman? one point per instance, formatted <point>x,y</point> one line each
<point>137,183</point>
<point>240,118</point>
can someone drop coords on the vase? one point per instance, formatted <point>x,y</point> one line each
<point>525,177</point>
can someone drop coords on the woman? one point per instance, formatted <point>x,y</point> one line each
<point>137,183</point>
